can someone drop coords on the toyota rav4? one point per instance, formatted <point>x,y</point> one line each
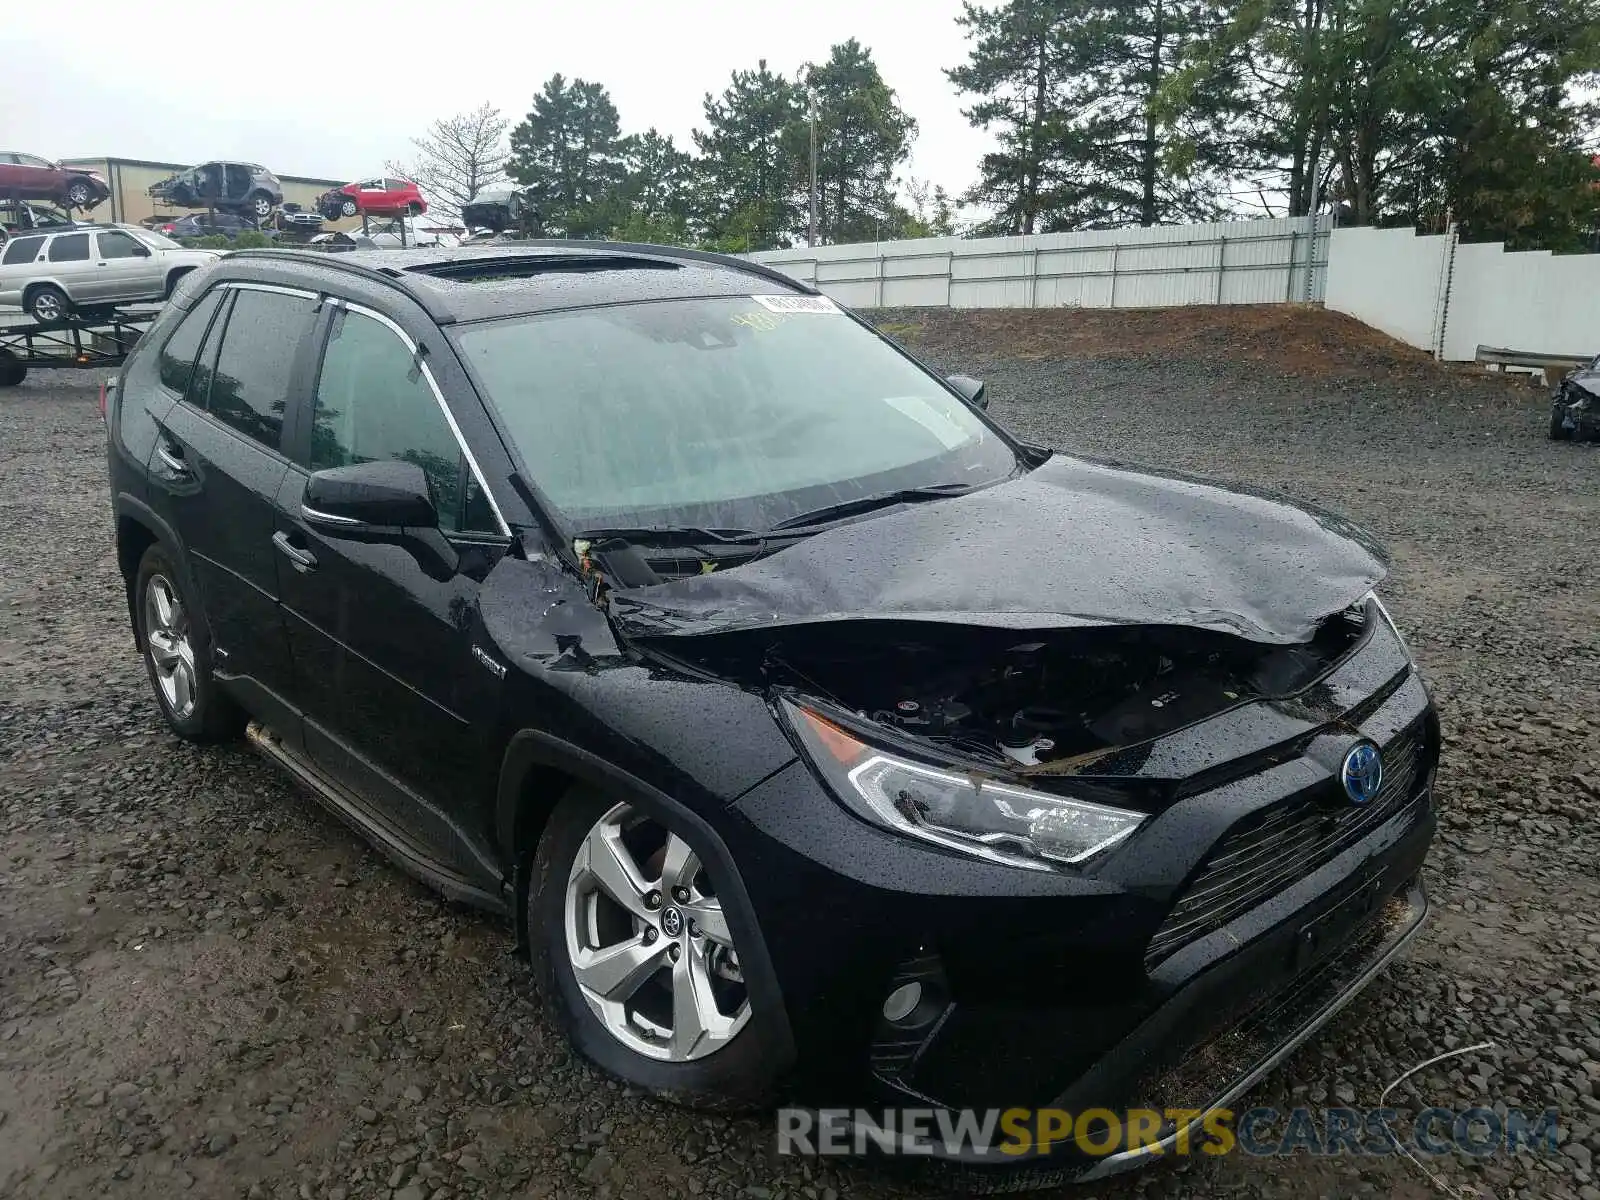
<point>820,738</point>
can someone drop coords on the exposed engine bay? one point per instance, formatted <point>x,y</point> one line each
<point>998,697</point>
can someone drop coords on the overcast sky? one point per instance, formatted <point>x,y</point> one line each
<point>332,90</point>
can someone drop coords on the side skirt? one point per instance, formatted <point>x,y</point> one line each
<point>348,807</point>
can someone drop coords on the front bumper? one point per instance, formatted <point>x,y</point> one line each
<point>1071,992</point>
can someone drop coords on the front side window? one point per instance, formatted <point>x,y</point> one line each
<point>721,412</point>
<point>117,245</point>
<point>373,405</point>
<point>29,160</point>
<point>21,250</point>
<point>182,349</point>
<point>69,247</point>
<point>250,388</point>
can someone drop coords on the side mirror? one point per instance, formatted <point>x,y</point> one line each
<point>140,250</point>
<point>382,502</point>
<point>972,390</point>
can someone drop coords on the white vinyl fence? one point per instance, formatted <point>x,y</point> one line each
<point>1449,298</point>
<point>1236,262</point>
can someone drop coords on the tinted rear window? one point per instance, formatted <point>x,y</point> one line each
<point>250,390</point>
<point>178,355</point>
<point>22,250</point>
<point>70,247</point>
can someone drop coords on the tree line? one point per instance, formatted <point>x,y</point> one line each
<point>1104,114</point>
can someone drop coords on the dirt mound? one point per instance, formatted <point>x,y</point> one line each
<point>1295,339</point>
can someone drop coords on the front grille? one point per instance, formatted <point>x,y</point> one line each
<point>1267,851</point>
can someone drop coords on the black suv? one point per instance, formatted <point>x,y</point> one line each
<point>821,739</point>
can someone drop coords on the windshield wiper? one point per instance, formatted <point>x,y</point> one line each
<point>864,504</point>
<point>671,535</point>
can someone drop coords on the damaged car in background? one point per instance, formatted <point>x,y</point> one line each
<point>1575,407</point>
<point>823,741</point>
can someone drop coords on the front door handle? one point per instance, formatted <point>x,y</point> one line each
<point>303,560</point>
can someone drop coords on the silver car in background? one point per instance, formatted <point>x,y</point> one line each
<point>87,267</point>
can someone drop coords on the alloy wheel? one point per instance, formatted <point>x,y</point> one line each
<point>649,942</point>
<point>78,195</point>
<point>167,634</point>
<point>47,307</point>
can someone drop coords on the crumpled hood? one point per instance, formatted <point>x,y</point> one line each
<point>1076,542</point>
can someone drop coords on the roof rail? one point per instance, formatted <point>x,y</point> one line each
<point>395,278</point>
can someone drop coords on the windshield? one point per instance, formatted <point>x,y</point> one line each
<point>151,238</point>
<point>720,412</point>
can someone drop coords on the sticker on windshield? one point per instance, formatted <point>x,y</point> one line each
<point>797,304</point>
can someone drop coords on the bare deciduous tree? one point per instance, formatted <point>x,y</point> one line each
<point>458,157</point>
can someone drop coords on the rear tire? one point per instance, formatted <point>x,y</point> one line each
<point>176,646</point>
<point>12,371</point>
<point>718,1058</point>
<point>48,304</point>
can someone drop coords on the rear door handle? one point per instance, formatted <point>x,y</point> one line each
<point>172,459</point>
<point>303,560</point>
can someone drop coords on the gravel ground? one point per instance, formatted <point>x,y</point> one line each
<point>208,987</point>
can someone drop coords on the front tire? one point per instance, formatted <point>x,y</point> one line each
<point>631,945</point>
<point>1558,426</point>
<point>78,194</point>
<point>347,208</point>
<point>177,655</point>
<point>261,206</point>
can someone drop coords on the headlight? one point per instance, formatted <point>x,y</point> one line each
<point>989,820</point>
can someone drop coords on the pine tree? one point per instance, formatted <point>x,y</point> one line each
<point>657,196</point>
<point>568,153</point>
<point>1017,66</point>
<point>863,135</point>
<point>752,160</point>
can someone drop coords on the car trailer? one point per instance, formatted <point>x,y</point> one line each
<point>90,341</point>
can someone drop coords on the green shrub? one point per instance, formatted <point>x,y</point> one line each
<point>252,239</point>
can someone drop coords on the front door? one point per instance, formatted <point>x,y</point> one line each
<point>216,471</point>
<point>125,268</point>
<point>383,649</point>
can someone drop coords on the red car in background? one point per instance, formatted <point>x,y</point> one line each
<point>376,197</point>
<point>29,177</point>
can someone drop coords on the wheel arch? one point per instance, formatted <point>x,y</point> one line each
<point>32,288</point>
<point>539,768</point>
<point>138,528</point>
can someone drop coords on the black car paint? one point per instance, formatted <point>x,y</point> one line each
<point>1074,542</point>
<point>459,708</point>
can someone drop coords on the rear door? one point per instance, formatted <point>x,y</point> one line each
<point>383,649</point>
<point>217,468</point>
<point>70,261</point>
<point>127,269</point>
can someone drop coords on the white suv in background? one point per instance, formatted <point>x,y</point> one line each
<point>87,267</point>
